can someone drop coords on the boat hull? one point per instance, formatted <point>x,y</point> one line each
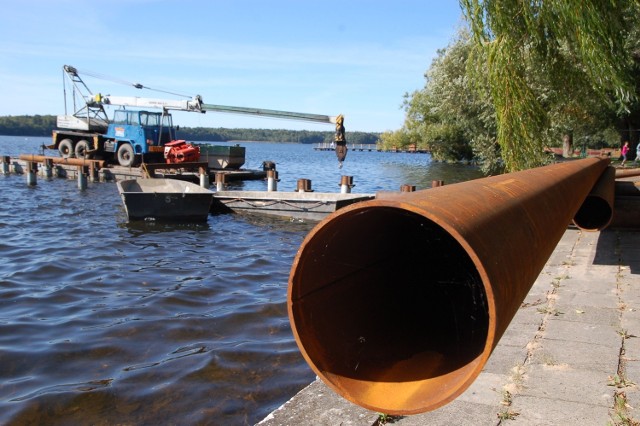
<point>165,200</point>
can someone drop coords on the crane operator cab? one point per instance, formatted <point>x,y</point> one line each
<point>134,134</point>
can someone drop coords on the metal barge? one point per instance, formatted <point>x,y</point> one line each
<point>308,206</point>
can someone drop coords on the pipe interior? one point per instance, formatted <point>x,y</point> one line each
<point>385,294</point>
<point>594,213</point>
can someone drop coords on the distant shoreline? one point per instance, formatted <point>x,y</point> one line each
<point>42,125</point>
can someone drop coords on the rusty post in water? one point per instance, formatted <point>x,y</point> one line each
<point>6,161</point>
<point>48,168</point>
<point>303,185</point>
<point>397,303</point>
<point>32,176</point>
<point>220,181</point>
<point>272,180</point>
<point>82,177</point>
<point>346,183</point>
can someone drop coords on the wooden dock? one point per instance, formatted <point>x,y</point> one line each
<point>353,147</point>
<point>97,170</point>
<point>368,147</point>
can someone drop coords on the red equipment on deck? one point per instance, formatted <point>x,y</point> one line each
<point>181,152</point>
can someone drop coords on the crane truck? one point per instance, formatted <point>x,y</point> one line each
<point>135,135</point>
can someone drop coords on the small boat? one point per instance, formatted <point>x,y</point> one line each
<point>165,199</point>
<point>310,206</point>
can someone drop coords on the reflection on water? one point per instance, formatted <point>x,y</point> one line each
<point>108,322</point>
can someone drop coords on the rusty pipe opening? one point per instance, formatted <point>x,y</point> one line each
<point>596,212</point>
<point>404,306</point>
<point>397,303</point>
<point>594,215</point>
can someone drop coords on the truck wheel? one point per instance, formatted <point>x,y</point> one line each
<point>65,148</point>
<point>126,156</point>
<point>82,147</point>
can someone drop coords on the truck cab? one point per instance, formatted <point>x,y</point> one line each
<point>132,134</point>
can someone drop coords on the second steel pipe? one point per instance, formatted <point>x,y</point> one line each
<point>398,302</point>
<point>596,211</point>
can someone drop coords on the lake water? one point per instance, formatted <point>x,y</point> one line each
<point>106,322</point>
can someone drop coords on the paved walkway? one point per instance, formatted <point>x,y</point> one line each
<point>571,355</point>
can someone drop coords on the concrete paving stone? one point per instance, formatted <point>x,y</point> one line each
<point>626,269</point>
<point>631,359</point>
<point>455,413</point>
<point>560,355</point>
<point>538,294</point>
<point>584,255</point>
<point>528,316</point>
<point>486,389</point>
<point>587,314</point>
<point>630,311</point>
<point>557,328</point>
<point>588,300</point>
<point>603,282</point>
<point>630,325</point>
<point>318,405</point>
<point>630,295</point>
<point>630,252</point>
<point>518,335</point>
<point>630,278</point>
<point>561,255</point>
<point>632,371</point>
<point>607,240</point>
<point>563,383</point>
<point>632,342</point>
<point>534,411</point>
<point>632,394</point>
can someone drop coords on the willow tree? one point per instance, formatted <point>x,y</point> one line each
<point>573,46</point>
<point>448,115</point>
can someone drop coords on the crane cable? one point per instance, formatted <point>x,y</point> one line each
<point>128,83</point>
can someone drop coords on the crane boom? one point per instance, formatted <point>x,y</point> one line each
<point>92,105</point>
<point>318,118</point>
<point>89,115</point>
<point>134,101</point>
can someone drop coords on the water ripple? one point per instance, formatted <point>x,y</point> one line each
<point>108,322</point>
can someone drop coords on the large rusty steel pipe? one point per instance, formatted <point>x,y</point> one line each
<point>60,160</point>
<point>397,303</point>
<point>596,212</point>
<point>623,173</point>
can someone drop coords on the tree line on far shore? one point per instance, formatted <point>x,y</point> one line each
<point>42,125</point>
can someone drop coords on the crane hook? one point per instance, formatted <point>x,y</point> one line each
<point>340,140</point>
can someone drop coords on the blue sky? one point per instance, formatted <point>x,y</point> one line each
<point>356,58</point>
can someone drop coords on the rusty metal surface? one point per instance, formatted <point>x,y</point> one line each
<point>60,160</point>
<point>622,173</point>
<point>397,303</point>
<point>596,212</point>
<point>303,185</point>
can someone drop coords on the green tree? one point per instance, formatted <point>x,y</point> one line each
<point>452,116</point>
<point>389,140</point>
<point>541,57</point>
